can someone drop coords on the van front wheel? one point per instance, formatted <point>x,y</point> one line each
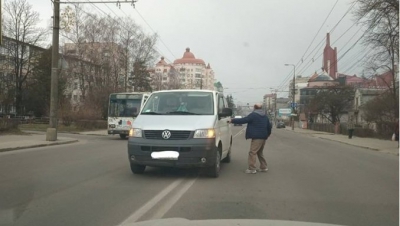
<point>213,171</point>
<point>228,157</point>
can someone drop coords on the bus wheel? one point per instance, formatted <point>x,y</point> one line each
<point>123,136</point>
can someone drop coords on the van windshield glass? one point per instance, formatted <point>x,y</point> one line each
<point>180,103</point>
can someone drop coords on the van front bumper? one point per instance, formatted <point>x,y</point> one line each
<point>192,152</point>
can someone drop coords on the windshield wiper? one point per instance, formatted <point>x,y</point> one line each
<point>181,113</point>
<point>151,113</point>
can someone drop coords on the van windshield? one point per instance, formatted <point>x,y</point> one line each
<point>180,103</point>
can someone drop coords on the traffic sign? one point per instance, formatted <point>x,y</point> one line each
<point>293,105</point>
<point>284,112</point>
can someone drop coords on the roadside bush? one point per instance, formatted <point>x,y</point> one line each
<point>7,124</point>
<point>67,120</point>
<point>91,124</point>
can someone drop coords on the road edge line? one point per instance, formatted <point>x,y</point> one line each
<point>150,204</point>
<point>37,146</point>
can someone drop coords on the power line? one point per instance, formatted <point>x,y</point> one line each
<point>155,32</point>
<point>302,58</point>
<point>372,26</point>
<point>89,14</point>
<point>318,45</point>
<point>303,69</point>
<point>358,61</point>
<point>313,59</point>
<point>159,51</point>
<point>315,36</point>
<point>146,24</point>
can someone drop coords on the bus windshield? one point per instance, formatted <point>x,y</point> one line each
<point>124,107</point>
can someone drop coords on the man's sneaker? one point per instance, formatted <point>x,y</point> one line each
<point>249,171</point>
<point>262,170</point>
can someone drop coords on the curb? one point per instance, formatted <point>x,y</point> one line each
<point>354,145</point>
<point>38,145</point>
<point>316,132</point>
<point>100,135</point>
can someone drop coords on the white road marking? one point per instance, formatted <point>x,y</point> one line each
<point>150,204</point>
<point>170,202</point>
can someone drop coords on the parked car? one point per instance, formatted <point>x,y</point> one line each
<point>181,128</point>
<point>280,125</point>
<point>238,116</point>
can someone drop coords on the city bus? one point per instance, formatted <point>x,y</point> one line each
<point>122,110</point>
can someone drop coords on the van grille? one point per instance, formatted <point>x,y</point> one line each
<point>175,134</point>
<point>157,148</point>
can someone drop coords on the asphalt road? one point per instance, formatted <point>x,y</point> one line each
<point>90,183</point>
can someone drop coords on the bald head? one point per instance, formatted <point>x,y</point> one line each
<point>257,106</point>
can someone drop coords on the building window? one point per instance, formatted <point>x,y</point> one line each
<point>75,85</point>
<point>75,97</point>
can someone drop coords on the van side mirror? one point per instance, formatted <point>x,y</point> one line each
<point>225,112</point>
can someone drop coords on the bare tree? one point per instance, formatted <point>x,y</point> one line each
<point>382,19</point>
<point>20,25</point>
<point>332,101</point>
<point>173,79</point>
<point>73,23</point>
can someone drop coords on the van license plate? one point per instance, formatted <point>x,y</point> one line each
<point>165,155</point>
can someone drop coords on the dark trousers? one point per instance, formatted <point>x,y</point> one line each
<point>351,133</point>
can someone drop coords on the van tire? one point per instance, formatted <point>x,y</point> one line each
<point>137,169</point>
<point>123,136</point>
<point>228,159</point>
<point>213,171</point>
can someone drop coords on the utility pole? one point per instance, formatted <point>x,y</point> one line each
<point>127,62</point>
<point>293,92</point>
<point>1,25</point>
<point>275,111</point>
<point>201,82</point>
<point>51,133</point>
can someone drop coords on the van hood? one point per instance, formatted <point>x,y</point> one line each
<point>174,122</point>
<point>223,222</point>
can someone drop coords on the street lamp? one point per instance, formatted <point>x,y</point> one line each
<point>293,92</point>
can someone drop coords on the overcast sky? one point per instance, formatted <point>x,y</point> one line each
<point>247,43</point>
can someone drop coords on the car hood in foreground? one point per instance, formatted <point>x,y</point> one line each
<point>224,222</point>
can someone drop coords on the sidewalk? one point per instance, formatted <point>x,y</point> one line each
<point>15,142</point>
<point>385,146</point>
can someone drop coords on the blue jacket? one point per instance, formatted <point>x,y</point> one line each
<point>258,126</point>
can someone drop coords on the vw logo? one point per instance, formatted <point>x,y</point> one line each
<point>166,134</point>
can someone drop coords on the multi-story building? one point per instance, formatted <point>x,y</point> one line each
<point>299,83</point>
<point>269,102</point>
<point>189,72</point>
<point>94,65</point>
<point>27,55</point>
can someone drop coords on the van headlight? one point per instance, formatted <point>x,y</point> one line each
<point>135,132</point>
<point>204,133</point>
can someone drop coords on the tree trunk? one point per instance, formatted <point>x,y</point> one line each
<point>18,99</point>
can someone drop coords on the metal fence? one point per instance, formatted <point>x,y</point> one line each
<point>383,130</point>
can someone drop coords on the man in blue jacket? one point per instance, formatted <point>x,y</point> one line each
<point>258,130</point>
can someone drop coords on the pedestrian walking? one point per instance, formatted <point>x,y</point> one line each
<point>258,130</point>
<point>350,127</point>
<point>396,131</point>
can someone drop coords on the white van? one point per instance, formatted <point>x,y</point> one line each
<point>181,128</point>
